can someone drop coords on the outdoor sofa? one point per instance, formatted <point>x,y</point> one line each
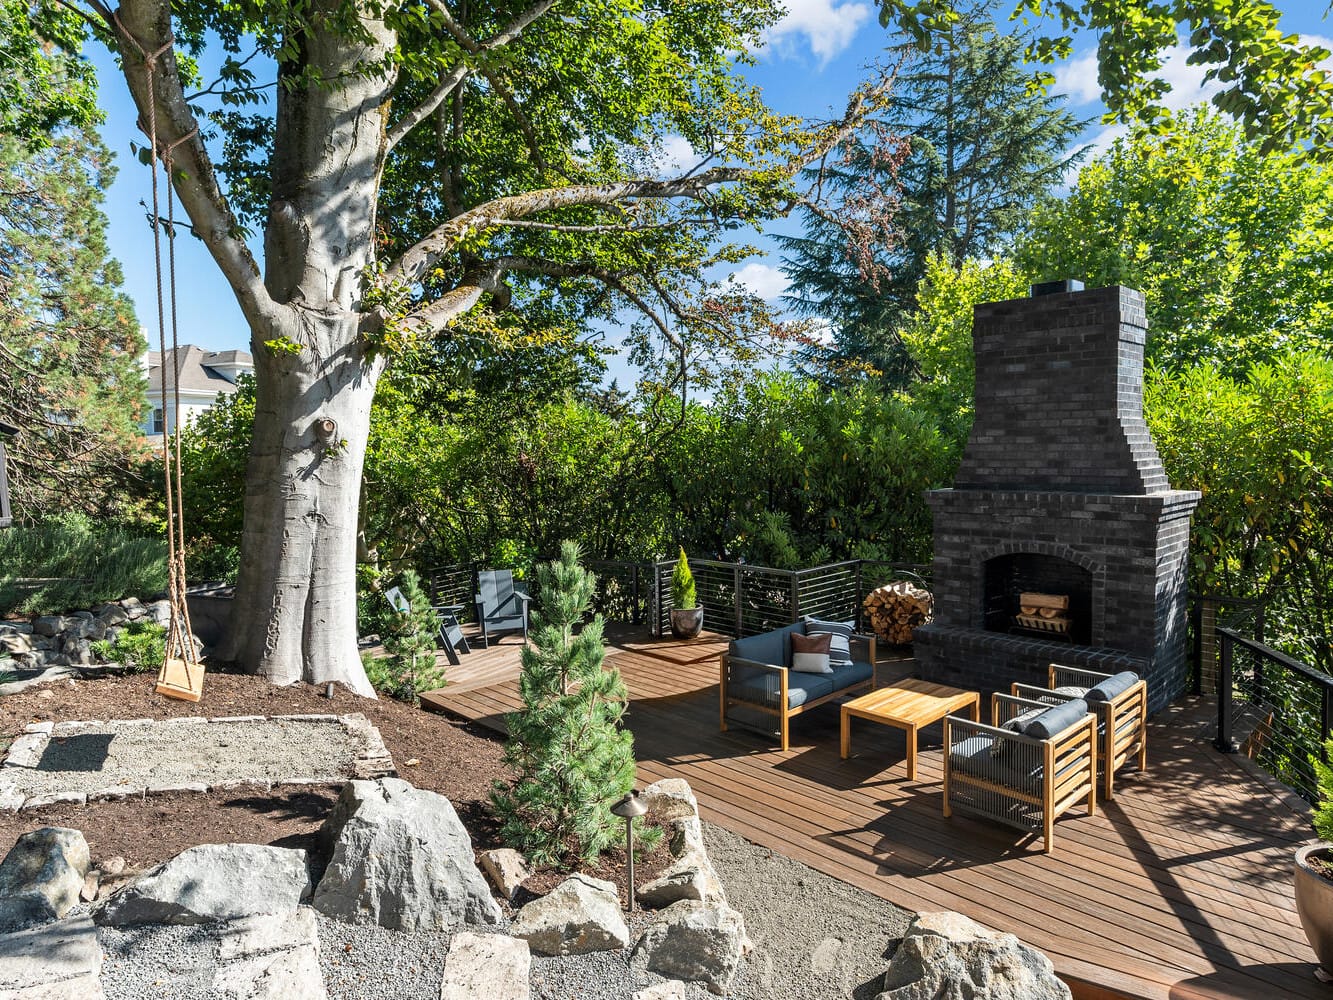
<point>1034,762</point>
<point>756,672</point>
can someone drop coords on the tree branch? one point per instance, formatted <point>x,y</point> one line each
<point>416,261</point>
<point>460,72</point>
<point>143,28</point>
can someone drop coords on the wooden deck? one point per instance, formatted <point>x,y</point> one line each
<point>1180,887</point>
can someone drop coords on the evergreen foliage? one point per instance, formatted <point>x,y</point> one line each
<point>411,666</point>
<point>683,595</point>
<point>572,756</point>
<point>1323,811</point>
<point>140,646</point>
<point>982,148</point>
<point>69,342</point>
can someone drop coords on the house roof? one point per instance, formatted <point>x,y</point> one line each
<point>197,370</point>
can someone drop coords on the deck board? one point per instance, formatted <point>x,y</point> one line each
<point>1179,887</point>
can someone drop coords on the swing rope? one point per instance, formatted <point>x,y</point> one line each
<point>180,633</point>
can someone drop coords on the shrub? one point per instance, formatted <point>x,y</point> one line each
<point>571,754</point>
<point>71,563</point>
<point>141,646</point>
<point>411,667</point>
<point>682,585</point>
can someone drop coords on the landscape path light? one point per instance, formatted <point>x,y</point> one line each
<point>627,808</point>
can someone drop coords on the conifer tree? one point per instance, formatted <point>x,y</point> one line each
<point>411,665</point>
<point>572,756</point>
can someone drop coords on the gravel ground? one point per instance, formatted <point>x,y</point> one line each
<point>174,752</point>
<point>815,939</point>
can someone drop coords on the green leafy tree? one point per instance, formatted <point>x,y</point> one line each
<point>1230,245</point>
<point>69,343</point>
<point>980,146</point>
<point>45,86</point>
<point>572,756</point>
<point>1273,83</point>
<point>473,161</point>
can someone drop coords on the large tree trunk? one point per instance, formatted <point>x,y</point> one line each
<point>294,615</point>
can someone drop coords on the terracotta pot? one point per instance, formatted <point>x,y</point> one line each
<point>687,623</point>
<point>1314,902</point>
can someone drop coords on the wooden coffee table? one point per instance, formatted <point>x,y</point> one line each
<point>909,704</point>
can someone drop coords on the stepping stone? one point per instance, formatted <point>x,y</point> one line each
<point>486,967</point>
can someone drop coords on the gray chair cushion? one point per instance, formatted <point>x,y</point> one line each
<point>763,690</point>
<point>767,647</point>
<point>1056,720</point>
<point>1113,686</point>
<point>841,649</point>
<point>975,756</point>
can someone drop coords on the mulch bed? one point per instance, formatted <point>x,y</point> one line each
<point>456,759</point>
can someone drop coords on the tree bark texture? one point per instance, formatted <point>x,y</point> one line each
<point>295,604</point>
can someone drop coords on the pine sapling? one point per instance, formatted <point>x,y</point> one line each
<point>572,756</point>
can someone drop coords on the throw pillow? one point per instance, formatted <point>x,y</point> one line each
<point>840,652</point>
<point>1000,748</point>
<point>810,653</point>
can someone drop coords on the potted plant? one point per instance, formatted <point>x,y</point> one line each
<point>687,615</point>
<point>1314,874</point>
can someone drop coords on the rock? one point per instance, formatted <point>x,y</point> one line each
<point>26,751</point>
<point>91,882</point>
<point>159,612</point>
<point>112,866</point>
<point>686,836</point>
<point>486,967</point>
<point>694,941</point>
<point>80,628</point>
<point>57,961</point>
<point>133,608</point>
<point>77,651</point>
<point>41,877</point>
<point>400,857</point>
<point>947,955</point>
<point>49,625</point>
<point>15,643</point>
<point>670,799</point>
<point>83,616</point>
<point>691,876</point>
<point>580,915</point>
<point>212,882</point>
<point>506,869</point>
<point>270,957</point>
<point>22,628</point>
<point>111,614</point>
<point>11,796</point>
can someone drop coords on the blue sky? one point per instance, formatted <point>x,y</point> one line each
<point>813,58</point>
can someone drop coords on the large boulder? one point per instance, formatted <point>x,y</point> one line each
<point>41,877</point>
<point>212,882</point>
<point>947,956</point>
<point>580,915</point>
<point>695,941</point>
<point>690,876</point>
<point>57,961</point>
<point>486,967</point>
<point>400,857</point>
<point>670,799</point>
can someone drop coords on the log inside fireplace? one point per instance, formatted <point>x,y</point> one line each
<point>1029,593</point>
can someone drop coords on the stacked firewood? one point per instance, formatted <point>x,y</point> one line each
<point>1044,612</point>
<point>895,609</point>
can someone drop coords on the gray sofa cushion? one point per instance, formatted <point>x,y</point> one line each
<point>763,690</point>
<point>846,674</point>
<point>841,650</point>
<point>1056,720</point>
<point>1113,686</point>
<point>767,647</point>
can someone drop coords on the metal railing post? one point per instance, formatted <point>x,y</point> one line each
<point>1326,719</point>
<point>1224,742</point>
<point>740,612</point>
<point>795,596</point>
<point>1196,622</point>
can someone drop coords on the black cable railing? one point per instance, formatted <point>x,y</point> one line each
<point>1273,708</point>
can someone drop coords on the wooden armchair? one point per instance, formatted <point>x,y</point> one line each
<point>1120,702</point>
<point>1032,764</point>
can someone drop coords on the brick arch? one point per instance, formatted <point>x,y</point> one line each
<point>1096,570</point>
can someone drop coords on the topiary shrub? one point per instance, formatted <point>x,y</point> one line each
<point>572,756</point>
<point>682,585</point>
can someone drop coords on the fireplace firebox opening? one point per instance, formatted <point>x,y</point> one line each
<point>1044,579</point>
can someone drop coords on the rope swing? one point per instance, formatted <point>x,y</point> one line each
<point>181,675</point>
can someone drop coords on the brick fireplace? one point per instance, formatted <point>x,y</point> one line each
<point>1060,492</point>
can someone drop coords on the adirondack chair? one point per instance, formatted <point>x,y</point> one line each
<point>500,606</point>
<point>451,634</point>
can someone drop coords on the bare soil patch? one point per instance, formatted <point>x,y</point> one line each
<point>458,760</point>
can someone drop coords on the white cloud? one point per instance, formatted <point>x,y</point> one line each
<point>675,156</point>
<point>827,26</point>
<point>763,280</point>
<point>1077,79</point>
